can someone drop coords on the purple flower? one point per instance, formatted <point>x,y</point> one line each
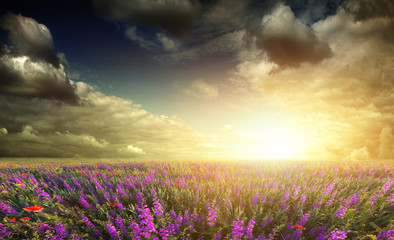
<point>3,231</point>
<point>303,220</point>
<point>43,227</point>
<point>238,229</point>
<point>390,198</point>
<point>389,234</point>
<point>146,221</point>
<point>249,229</point>
<point>386,187</point>
<point>337,234</point>
<point>329,189</point>
<point>296,191</point>
<point>61,232</point>
<point>7,209</point>
<point>112,231</point>
<point>302,199</point>
<point>212,215</point>
<point>88,223</point>
<point>120,225</point>
<point>84,203</point>
<point>157,208</point>
<point>136,230</point>
<point>354,199</point>
<point>341,212</point>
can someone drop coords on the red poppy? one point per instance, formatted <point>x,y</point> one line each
<point>23,174</point>
<point>178,182</point>
<point>34,208</point>
<point>113,204</point>
<point>25,218</point>
<point>12,220</point>
<point>176,199</point>
<point>5,171</point>
<point>298,227</point>
<point>77,169</point>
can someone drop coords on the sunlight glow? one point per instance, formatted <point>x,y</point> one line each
<point>272,143</point>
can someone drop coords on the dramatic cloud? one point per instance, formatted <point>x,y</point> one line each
<point>30,38</point>
<point>366,9</point>
<point>344,104</point>
<point>173,16</point>
<point>285,40</point>
<point>101,126</point>
<point>30,67</point>
<point>201,89</point>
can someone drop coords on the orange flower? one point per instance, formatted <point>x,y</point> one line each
<point>113,204</point>
<point>12,220</point>
<point>25,218</point>
<point>178,182</point>
<point>34,208</point>
<point>298,227</point>
<point>176,199</point>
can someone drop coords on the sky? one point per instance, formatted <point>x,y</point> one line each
<point>197,79</point>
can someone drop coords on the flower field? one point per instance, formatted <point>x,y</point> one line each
<point>196,200</point>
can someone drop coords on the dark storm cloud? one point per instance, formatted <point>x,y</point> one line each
<point>173,16</point>
<point>29,67</point>
<point>366,9</point>
<point>30,38</point>
<point>285,40</point>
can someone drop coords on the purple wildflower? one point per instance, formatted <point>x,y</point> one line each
<point>43,227</point>
<point>329,189</point>
<point>354,199</point>
<point>296,191</point>
<point>3,231</point>
<point>238,229</point>
<point>337,234</point>
<point>7,209</point>
<point>303,220</point>
<point>84,203</point>
<point>390,198</point>
<point>88,223</point>
<point>249,229</point>
<point>212,215</point>
<point>136,230</point>
<point>389,234</point>
<point>112,231</point>
<point>61,231</point>
<point>146,221</point>
<point>120,225</point>
<point>302,199</point>
<point>157,208</point>
<point>341,212</point>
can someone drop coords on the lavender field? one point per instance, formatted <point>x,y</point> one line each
<point>196,200</point>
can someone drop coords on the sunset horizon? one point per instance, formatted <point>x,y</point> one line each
<point>197,79</point>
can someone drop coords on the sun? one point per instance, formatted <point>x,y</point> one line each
<point>270,143</point>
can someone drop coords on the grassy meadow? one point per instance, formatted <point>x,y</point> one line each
<point>119,199</point>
